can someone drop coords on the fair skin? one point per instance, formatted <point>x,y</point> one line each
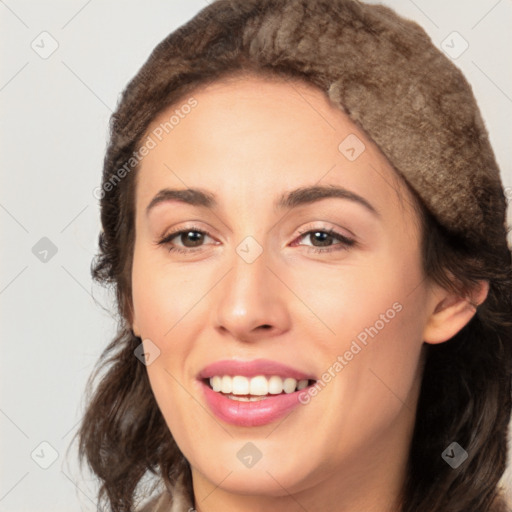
<point>248,142</point>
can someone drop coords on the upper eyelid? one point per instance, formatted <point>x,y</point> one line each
<point>335,233</point>
<point>178,232</point>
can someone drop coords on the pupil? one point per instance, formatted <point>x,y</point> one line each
<point>321,234</point>
<point>192,234</point>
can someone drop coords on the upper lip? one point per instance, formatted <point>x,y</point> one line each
<point>252,368</point>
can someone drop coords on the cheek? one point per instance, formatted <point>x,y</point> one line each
<point>385,316</point>
<point>161,295</point>
<point>377,377</point>
<point>165,310</point>
<point>355,297</point>
<point>375,313</point>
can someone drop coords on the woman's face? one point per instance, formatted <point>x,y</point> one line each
<point>256,276</point>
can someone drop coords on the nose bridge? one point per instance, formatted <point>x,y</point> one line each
<point>250,295</point>
<point>250,273</point>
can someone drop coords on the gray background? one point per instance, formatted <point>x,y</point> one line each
<point>53,128</point>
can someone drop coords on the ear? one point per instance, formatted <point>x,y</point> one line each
<point>450,312</point>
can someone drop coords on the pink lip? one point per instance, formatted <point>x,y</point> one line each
<point>252,369</point>
<point>251,414</point>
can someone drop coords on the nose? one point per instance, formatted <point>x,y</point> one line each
<point>251,301</point>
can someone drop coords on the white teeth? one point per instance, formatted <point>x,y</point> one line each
<point>225,384</point>
<point>275,385</point>
<point>256,386</point>
<point>289,385</point>
<point>302,384</point>
<point>246,398</point>
<point>216,383</point>
<point>240,385</point>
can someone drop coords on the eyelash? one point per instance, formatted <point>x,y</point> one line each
<point>345,242</point>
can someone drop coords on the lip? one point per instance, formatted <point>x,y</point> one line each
<point>252,368</point>
<point>251,414</point>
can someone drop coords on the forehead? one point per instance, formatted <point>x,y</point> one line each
<point>270,105</point>
<point>248,106</point>
<point>250,134</point>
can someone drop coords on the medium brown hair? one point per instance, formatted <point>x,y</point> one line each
<point>466,388</point>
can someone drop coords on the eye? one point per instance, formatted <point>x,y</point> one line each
<point>191,238</point>
<point>325,238</point>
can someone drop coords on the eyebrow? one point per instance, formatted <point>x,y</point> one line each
<point>293,199</point>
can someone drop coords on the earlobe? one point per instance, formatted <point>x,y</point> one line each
<point>452,312</point>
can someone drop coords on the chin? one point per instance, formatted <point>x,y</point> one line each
<point>270,476</point>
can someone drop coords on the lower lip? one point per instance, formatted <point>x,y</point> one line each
<point>250,414</point>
